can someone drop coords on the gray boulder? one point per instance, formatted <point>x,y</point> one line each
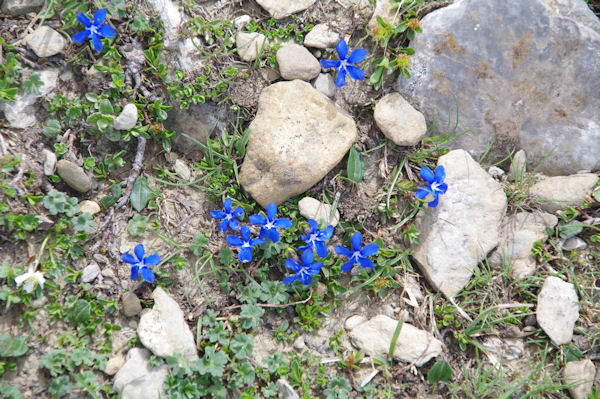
<point>20,7</point>
<point>518,74</point>
<point>284,8</point>
<point>136,379</point>
<point>558,192</point>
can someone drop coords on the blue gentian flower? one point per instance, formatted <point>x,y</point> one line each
<point>316,238</point>
<point>305,272</point>
<point>346,65</point>
<point>357,255</point>
<point>245,244</point>
<point>269,224</point>
<point>436,184</point>
<point>141,265</point>
<point>94,30</point>
<point>228,216</point>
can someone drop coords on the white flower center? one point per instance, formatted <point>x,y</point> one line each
<point>93,29</point>
<point>229,216</point>
<point>269,225</point>
<point>343,65</point>
<point>313,237</point>
<point>355,256</point>
<point>434,186</point>
<point>246,245</point>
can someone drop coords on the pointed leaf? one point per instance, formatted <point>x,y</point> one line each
<point>356,166</point>
<point>441,371</point>
<point>140,195</point>
<point>12,346</point>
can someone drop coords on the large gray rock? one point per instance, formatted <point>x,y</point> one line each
<point>413,346</point>
<point>136,379</point>
<point>558,192</point>
<point>163,329</point>
<point>519,232</point>
<point>20,7</point>
<point>46,42</point>
<point>284,8</point>
<point>296,138</point>
<point>463,228</point>
<point>519,74</point>
<point>581,374</point>
<point>557,310</point>
<point>296,62</point>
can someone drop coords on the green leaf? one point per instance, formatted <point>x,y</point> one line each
<point>33,84</point>
<point>241,346</point>
<point>54,201</point>
<point>83,222</point>
<point>570,229</point>
<point>198,244</point>
<point>212,363</point>
<point>52,128</point>
<point>71,206</point>
<point>12,346</point>
<point>80,312</point>
<point>356,166</point>
<point>441,371</point>
<point>106,107</point>
<point>140,195</point>
<point>225,256</point>
<point>395,339</point>
<point>137,225</point>
<point>251,316</point>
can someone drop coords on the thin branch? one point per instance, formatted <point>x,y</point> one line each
<point>135,172</point>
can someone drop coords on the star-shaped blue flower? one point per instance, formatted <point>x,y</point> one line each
<point>346,65</point>
<point>245,244</point>
<point>305,272</point>
<point>94,30</point>
<point>316,238</point>
<point>228,216</point>
<point>141,265</point>
<point>357,255</point>
<point>269,224</point>
<point>436,184</point>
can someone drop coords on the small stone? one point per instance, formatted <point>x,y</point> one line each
<point>182,170</point>
<point>89,206</point>
<point>518,166</point>
<point>284,8</point>
<point>100,258</point>
<point>296,62</point>
<point>495,172</point>
<point>325,84</point>
<point>299,344</point>
<point>44,222</point>
<point>49,162</point>
<point>241,21</point>
<point>17,8</point>
<point>321,37</point>
<point>582,374</point>
<point>250,45</point>
<point>557,193</point>
<point>557,310</point>
<point>114,364</point>
<point>74,176</point>
<point>285,390</point>
<point>127,119</point>
<point>46,42</point>
<point>399,121</point>
<point>574,243</point>
<point>90,272</point>
<point>109,273</point>
<point>131,304</point>
<point>312,208</point>
<point>137,379</point>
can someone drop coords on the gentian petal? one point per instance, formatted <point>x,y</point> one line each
<point>224,225</point>
<point>96,42</point>
<point>304,247</point>
<point>366,263</point>
<point>273,235</point>
<point>234,224</point>
<point>139,252</point>
<point>238,212</point>
<point>152,260</point>
<point>283,223</point>
<point>234,240</point>
<point>313,224</point>
<point>134,272</point>
<point>271,211</point>
<point>346,267</point>
<point>245,232</point>
<point>369,250</point>
<point>342,49</point>
<point>427,174</point>
<point>422,193</point>
<point>256,241</point>
<point>327,233</point>
<point>257,219</point>
<point>218,214</point>
<point>315,268</point>
<point>340,79</point>
<point>245,255</point>
<point>442,188</point>
<point>99,16</point>
<point>147,275</point>
<point>107,31</point>
<point>326,64</point>
<point>356,241</point>
<point>357,55</point>
<point>440,174</point>
<point>307,257</point>
<point>129,258</point>
<point>321,249</point>
<point>227,205</point>
<point>292,265</point>
<point>355,72</point>
<point>306,279</point>
<point>81,37</point>
<point>435,201</point>
<point>289,279</point>
<point>342,251</point>
<point>81,17</point>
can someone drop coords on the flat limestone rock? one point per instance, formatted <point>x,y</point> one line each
<point>296,138</point>
<point>163,329</point>
<point>518,75</point>
<point>399,121</point>
<point>296,62</point>
<point>136,379</point>
<point>519,232</point>
<point>558,192</point>
<point>557,310</point>
<point>581,373</point>
<point>284,8</point>
<point>463,228</point>
<point>413,346</point>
